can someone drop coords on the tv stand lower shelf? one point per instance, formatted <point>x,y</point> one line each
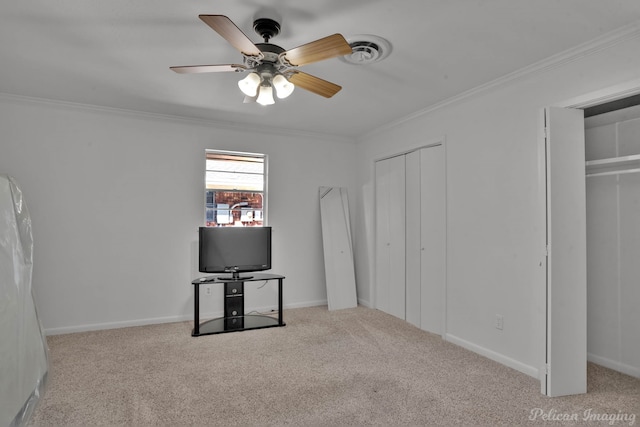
<point>234,319</point>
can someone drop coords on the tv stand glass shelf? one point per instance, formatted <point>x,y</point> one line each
<point>234,319</point>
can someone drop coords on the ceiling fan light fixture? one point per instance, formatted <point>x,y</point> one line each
<point>249,85</point>
<point>284,87</point>
<point>269,66</point>
<point>265,95</point>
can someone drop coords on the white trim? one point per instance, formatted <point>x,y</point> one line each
<point>364,303</point>
<point>543,253</point>
<point>116,325</point>
<point>169,319</point>
<point>497,357</point>
<point>259,129</point>
<point>437,142</point>
<point>443,332</point>
<point>304,304</point>
<point>603,96</point>
<point>413,146</point>
<point>615,365</point>
<point>606,41</point>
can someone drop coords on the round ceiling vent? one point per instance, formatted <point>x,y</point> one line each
<point>367,49</point>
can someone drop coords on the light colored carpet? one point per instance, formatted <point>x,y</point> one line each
<point>346,367</point>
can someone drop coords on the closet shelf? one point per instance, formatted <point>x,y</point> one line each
<point>613,166</point>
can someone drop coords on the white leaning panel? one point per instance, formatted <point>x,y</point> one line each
<point>338,252</point>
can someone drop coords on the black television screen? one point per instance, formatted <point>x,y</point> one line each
<point>234,249</point>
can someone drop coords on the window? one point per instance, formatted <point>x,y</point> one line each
<point>235,185</point>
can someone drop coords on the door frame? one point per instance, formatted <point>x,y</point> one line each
<point>590,99</point>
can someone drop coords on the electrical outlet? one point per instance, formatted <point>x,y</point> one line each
<point>499,321</point>
<point>207,290</point>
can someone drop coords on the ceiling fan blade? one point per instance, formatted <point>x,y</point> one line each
<point>325,48</point>
<point>190,69</point>
<point>231,33</point>
<point>314,84</point>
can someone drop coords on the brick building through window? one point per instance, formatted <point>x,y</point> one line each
<point>235,186</point>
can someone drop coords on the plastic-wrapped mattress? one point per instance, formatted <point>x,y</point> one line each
<point>24,362</point>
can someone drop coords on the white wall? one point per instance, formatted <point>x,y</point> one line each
<point>495,221</point>
<point>116,199</point>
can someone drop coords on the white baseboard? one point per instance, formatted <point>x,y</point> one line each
<point>364,303</point>
<point>169,319</point>
<point>497,357</point>
<point>306,304</point>
<point>116,325</point>
<point>614,364</point>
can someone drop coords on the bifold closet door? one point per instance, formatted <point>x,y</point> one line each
<point>567,253</point>
<point>413,237</point>
<point>390,235</point>
<point>410,237</point>
<point>433,227</point>
<point>425,234</point>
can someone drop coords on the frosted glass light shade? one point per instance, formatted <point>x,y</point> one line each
<point>249,85</point>
<point>283,86</point>
<point>265,96</point>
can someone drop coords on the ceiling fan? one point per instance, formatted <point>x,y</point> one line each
<point>270,66</point>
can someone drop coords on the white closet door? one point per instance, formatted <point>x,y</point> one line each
<point>433,238</point>
<point>382,240</point>
<point>390,236</point>
<point>413,237</point>
<point>566,262</point>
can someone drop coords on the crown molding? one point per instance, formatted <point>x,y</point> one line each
<point>606,41</point>
<point>262,130</point>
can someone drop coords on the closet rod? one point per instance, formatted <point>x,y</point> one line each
<point>618,172</point>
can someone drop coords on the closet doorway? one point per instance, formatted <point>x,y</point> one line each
<point>410,236</point>
<point>612,152</point>
<point>568,312</point>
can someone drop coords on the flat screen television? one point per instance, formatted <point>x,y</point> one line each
<point>234,250</point>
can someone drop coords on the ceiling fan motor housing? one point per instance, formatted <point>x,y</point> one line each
<point>271,58</point>
<point>266,28</point>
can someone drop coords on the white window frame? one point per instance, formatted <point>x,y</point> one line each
<point>238,154</point>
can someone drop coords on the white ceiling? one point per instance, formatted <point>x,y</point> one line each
<point>117,53</point>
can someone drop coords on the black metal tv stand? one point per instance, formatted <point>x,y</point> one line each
<point>234,319</point>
